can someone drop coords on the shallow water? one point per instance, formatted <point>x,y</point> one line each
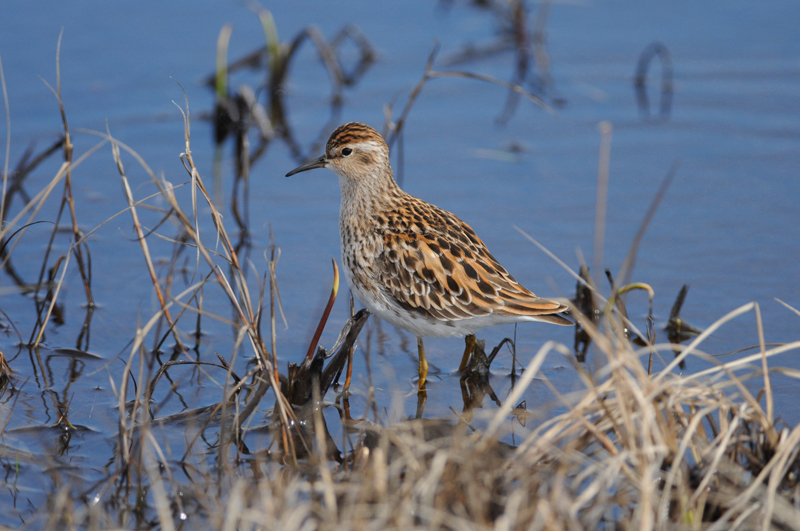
<point>728,226</point>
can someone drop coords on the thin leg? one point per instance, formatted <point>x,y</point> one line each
<point>470,341</point>
<point>422,397</point>
<point>347,417</point>
<point>423,365</point>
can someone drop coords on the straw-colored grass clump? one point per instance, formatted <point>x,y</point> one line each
<point>634,451</point>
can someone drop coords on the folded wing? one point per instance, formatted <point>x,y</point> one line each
<point>437,266</point>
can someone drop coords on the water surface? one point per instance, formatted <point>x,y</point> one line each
<point>728,226</point>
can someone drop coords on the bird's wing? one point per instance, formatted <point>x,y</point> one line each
<point>434,264</point>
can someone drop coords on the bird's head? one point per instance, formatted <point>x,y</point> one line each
<point>355,152</point>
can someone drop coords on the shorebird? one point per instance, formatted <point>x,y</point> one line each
<point>411,263</point>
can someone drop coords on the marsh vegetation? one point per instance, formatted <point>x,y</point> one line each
<point>197,418</point>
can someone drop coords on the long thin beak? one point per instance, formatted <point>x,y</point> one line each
<point>316,163</point>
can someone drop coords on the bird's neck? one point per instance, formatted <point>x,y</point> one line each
<point>367,195</point>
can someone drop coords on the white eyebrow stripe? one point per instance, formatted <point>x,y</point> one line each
<point>369,146</point>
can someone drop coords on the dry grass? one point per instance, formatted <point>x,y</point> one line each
<point>633,450</point>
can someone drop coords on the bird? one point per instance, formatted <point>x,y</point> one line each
<point>411,263</point>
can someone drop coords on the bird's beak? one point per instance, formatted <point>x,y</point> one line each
<point>316,163</point>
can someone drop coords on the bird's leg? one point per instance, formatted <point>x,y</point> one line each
<point>422,397</point>
<point>470,345</point>
<point>423,365</point>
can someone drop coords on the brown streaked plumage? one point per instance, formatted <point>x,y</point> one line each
<point>411,263</point>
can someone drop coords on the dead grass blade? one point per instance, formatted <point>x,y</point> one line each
<point>143,242</point>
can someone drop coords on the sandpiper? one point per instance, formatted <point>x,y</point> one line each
<point>411,263</point>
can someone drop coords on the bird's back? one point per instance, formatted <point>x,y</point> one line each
<point>419,265</point>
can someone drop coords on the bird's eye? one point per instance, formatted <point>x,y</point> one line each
<point>346,152</point>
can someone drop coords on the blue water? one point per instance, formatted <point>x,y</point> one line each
<point>729,226</point>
